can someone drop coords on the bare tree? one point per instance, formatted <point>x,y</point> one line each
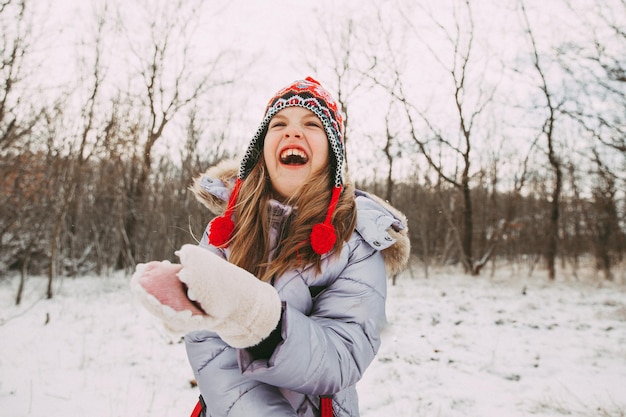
<point>548,132</point>
<point>24,213</point>
<point>339,49</point>
<point>598,71</point>
<point>390,154</point>
<point>16,120</point>
<point>609,240</point>
<point>437,142</point>
<point>171,82</point>
<point>21,196</point>
<point>80,152</point>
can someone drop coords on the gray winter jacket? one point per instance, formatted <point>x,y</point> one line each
<point>330,327</point>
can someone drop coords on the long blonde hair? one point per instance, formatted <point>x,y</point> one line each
<point>249,246</point>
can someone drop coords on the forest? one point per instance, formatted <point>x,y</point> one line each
<point>498,128</point>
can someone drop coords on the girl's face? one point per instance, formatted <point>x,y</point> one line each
<point>295,147</point>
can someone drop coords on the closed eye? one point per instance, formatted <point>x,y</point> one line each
<point>314,124</point>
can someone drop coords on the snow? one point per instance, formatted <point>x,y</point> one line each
<point>506,345</point>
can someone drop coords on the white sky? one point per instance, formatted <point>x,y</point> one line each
<point>276,36</point>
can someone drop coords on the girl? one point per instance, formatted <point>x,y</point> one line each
<point>284,299</point>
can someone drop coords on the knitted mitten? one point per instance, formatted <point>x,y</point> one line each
<point>243,309</point>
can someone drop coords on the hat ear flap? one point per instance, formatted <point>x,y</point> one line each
<point>323,235</point>
<point>221,228</point>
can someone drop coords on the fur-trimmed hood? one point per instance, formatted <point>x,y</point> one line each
<point>380,224</point>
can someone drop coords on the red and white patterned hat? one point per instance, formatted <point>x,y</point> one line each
<point>308,94</point>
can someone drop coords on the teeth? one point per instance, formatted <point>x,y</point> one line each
<point>287,153</point>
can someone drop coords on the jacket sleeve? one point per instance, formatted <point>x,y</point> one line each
<point>329,349</point>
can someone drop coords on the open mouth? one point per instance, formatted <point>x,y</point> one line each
<point>293,156</point>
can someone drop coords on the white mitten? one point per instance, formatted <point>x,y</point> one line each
<point>158,288</point>
<point>244,309</point>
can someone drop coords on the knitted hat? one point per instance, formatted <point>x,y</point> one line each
<point>308,94</point>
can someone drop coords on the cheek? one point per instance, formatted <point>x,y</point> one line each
<point>268,148</point>
<point>321,151</point>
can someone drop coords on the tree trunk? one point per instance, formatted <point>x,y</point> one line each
<point>468,228</point>
<point>23,275</point>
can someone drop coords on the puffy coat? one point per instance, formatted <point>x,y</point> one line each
<point>330,328</point>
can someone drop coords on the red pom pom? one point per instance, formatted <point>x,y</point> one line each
<point>323,238</point>
<point>221,231</point>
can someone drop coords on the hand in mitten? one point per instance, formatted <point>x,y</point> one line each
<point>157,286</point>
<point>243,309</point>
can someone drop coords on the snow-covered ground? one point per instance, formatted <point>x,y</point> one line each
<point>504,346</point>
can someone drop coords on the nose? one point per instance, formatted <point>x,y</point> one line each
<point>293,131</point>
